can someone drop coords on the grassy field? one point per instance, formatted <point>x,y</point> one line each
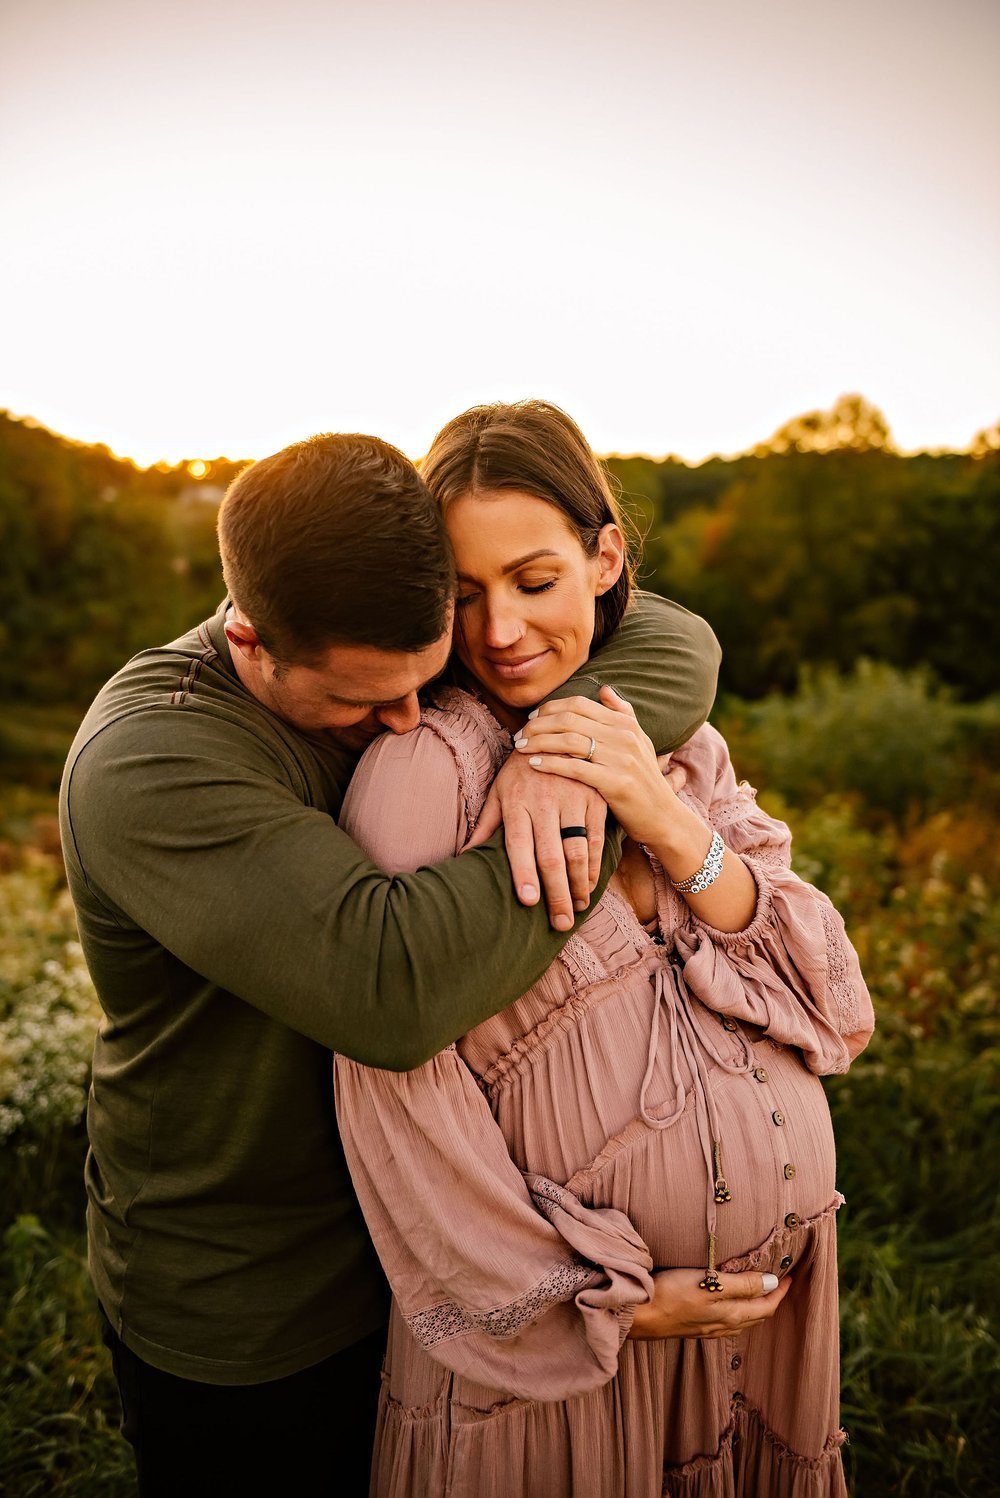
<point>917,1122</point>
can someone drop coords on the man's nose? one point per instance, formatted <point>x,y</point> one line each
<point>401,716</point>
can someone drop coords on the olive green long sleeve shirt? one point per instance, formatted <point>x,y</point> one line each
<point>235,937</point>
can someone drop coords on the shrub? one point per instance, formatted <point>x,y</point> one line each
<point>890,737</point>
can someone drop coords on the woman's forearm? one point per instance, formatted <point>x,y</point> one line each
<point>682,846</point>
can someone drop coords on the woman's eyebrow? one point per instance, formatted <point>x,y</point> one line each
<point>532,556</point>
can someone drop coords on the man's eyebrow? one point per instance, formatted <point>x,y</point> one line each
<point>358,702</point>
<point>532,556</point>
<point>386,701</point>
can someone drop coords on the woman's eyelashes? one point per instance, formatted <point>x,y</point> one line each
<point>464,598</point>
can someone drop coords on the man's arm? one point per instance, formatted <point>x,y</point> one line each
<point>196,841</point>
<point>664,661</point>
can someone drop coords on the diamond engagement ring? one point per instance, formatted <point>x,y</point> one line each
<point>590,752</point>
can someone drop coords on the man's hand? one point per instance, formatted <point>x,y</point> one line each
<point>680,1308</point>
<point>533,809</point>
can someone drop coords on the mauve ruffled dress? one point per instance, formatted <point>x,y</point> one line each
<point>522,1186</point>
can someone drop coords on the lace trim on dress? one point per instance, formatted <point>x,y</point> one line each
<point>547,1196</point>
<point>442,1322</point>
<point>838,975</point>
<point>475,771</point>
<point>724,813</point>
<point>582,962</point>
<point>625,918</point>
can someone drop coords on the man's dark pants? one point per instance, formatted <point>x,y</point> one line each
<point>309,1434</point>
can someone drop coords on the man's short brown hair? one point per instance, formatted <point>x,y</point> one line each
<point>336,540</point>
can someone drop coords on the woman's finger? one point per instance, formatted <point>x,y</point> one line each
<point>581,707</point>
<point>613,698</point>
<point>571,742</point>
<point>583,770</point>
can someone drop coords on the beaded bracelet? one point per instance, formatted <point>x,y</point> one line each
<point>709,871</point>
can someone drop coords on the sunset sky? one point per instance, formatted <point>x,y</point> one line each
<point>226,225</point>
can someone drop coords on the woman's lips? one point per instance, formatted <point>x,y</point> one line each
<point>515,667</point>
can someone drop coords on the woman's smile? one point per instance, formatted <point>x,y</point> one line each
<point>516,668</point>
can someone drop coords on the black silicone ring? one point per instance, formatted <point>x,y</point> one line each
<point>566,832</point>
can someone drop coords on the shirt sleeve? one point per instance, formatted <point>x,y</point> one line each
<point>507,1279</point>
<point>664,661</point>
<point>196,836</point>
<point>503,1277</point>
<point>793,969</point>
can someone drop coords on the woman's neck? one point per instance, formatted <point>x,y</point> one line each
<point>511,718</point>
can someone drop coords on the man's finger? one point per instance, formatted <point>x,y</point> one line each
<point>489,820</point>
<point>576,851</point>
<point>597,820</point>
<point>551,860</point>
<point>519,841</point>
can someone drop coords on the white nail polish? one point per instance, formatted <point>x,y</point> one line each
<point>520,743</point>
<point>535,760</point>
<point>770,1282</point>
<point>533,713</point>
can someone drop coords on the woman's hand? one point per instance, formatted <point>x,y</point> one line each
<point>680,1308</point>
<point>623,766</point>
<point>601,745</point>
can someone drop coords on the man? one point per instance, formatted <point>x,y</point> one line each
<point>236,937</point>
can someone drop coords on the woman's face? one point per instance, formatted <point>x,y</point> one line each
<point>526,595</point>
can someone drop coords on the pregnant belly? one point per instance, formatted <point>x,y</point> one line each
<point>777,1153</point>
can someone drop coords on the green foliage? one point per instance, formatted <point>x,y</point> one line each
<point>891,738</point>
<point>97,558</point>
<point>804,556</point>
<point>58,1419</point>
<point>49,1015</point>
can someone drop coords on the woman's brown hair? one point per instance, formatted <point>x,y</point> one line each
<point>536,448</point>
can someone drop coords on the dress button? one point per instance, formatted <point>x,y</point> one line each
<point>792,1220</point>
<point>729,1024</point>
<point>786,1262</point>
<point>735,1361</point>
<point>779,1118</point>
<point>760,1074</point>
<point>789,1172</point>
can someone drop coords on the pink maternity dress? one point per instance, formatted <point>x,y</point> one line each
<point>650,1090</point>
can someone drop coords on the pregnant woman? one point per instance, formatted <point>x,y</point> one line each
<point>607,1214</point>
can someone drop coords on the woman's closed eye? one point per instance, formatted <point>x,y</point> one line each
<point>464,598</point>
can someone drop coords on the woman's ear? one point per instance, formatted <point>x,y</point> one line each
<point>610,557</point>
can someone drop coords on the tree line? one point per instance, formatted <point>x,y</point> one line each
<point>821,546</point>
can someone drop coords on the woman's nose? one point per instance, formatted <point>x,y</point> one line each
<point>401,716</point>
<point>503,628</point>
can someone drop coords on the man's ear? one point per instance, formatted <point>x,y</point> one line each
<point>610,556</point>
<point>243,637</point>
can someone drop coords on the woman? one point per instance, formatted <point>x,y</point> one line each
<point>653,1101</point>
